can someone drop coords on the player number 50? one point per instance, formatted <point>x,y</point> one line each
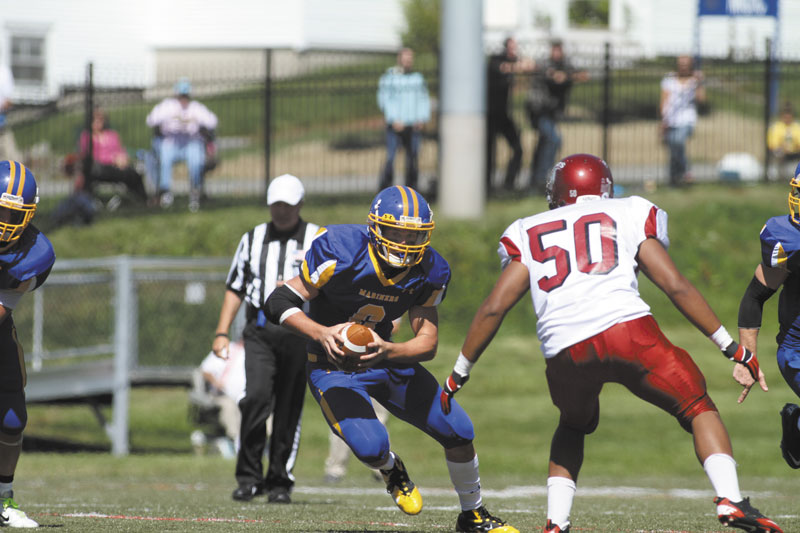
<point>608,256</point>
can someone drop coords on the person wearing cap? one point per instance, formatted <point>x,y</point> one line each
<point>184,126</point>
<point>267,255</point>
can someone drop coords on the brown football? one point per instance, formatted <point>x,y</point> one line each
<point>356,338</point>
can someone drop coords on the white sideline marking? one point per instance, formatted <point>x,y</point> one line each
<point>533,490</point>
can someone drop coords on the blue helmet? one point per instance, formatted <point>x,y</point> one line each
<point>18,198</point>
<point>400,225</point>
<point>794,196</point>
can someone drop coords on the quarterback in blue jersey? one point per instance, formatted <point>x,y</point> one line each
<point>779,266</point>
<point>372,275</point>
<point>26,257</point>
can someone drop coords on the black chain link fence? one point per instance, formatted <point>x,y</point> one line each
<point>314,114</point>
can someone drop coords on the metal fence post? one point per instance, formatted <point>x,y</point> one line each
<point>606,98</point>
<point>267,120</point>
<point>87,120</point>
<point>767,107</point>
<point>123,335</point>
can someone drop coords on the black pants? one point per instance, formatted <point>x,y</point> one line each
<point>111,174</point>
<point>501,123</point>
<point>410,140</point>
<point>274,367</point>
<point>13,415</point>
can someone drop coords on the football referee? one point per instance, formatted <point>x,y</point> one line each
<point>274,358</point>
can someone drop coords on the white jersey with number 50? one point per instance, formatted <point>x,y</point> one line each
<point>582,264</point>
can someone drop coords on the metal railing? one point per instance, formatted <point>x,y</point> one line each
<point>100,326</point>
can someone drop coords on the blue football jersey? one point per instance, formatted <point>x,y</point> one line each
<point>25,266</point>
<point>780,248</point>
<point>353,288</point>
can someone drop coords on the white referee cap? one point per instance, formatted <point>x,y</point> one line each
<point>285,188</point>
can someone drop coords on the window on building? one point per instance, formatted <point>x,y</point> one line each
<point>27,59</point>
<point>588,13</point>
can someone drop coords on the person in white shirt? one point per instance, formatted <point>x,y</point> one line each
<point>681,91</point>
<point>8,145</point>
<point>185,125</point>
<point>580,262</point>
<point>226,378</point>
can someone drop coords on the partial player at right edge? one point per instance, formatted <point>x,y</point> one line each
<point>779,266</point>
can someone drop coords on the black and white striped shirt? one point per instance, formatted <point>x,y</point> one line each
<point>264,257</point>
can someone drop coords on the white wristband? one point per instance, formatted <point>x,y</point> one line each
<point>721,338</point>
<point>463,365</point>
<point>289,312</point>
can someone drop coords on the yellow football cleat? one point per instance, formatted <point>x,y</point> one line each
<point>480,520</point>
<point>403,491</point>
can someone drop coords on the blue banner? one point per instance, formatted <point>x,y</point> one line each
<point>738,8</point>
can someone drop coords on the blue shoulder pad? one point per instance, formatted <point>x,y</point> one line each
<point>32,256</point>
<point>780,242</point>
<point>437,274</point>
<point>332,251</point>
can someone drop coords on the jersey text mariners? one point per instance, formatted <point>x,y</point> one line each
<point>353,288</point>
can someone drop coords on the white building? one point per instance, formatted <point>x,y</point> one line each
<point>48,43</point>
<point>138,44</point>
<point>653,27</point>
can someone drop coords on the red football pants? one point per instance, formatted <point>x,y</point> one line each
<point>637,355</point>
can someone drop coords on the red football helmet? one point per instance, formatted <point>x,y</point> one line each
<point>579,175</point>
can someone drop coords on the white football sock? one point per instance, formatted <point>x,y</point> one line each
<point>721,470</point>
<point>5,488</point>
<point>467,481</point>
<point>389,464</point>
<point>560,492</point>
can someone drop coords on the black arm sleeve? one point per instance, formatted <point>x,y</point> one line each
<point>281,300</point>
<point>752,304</point>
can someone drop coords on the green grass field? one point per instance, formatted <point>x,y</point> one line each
<point>639,474</point>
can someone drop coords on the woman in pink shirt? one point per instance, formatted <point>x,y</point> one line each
<point>109,159</point>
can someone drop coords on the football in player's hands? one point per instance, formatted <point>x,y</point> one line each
<point>356,338</point>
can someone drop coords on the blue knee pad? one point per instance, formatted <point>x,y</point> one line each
<point>368,439</point>
<point>13,415</point>
<point>789,365</point>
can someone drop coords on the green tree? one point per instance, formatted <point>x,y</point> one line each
<point>588,13</point>
<point>423,19</point>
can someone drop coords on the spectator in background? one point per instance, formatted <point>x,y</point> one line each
<point>108,161</point>
<point>186,126</point>
<point>223,387</point>
<point>681,91</point>
<point>500,78</point>
<point>783,141</point>
<point>403,99</point>
<point>8,146</point>
<point>275,357</point>
<point>547,100</point>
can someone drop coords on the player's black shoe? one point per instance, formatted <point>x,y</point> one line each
<point>742,515</point>
<point>479,520</point>
<point>553,528</point>
<point>790,441</point>
<point>404,493</point>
